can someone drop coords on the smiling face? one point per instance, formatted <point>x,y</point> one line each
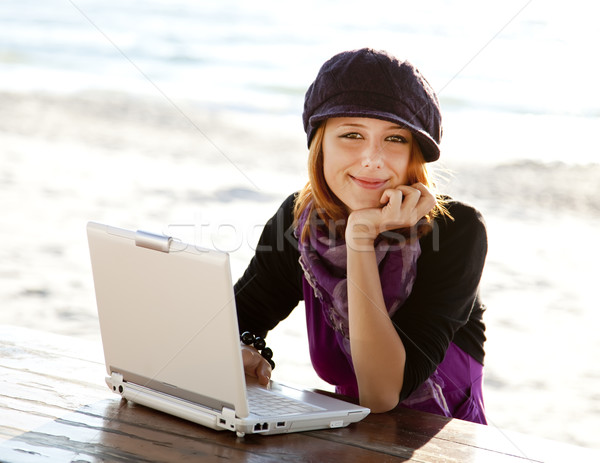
<point>362,157</point>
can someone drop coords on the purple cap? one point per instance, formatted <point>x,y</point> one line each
<point>369,83</point>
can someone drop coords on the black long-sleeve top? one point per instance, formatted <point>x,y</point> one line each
<point>444,305</point>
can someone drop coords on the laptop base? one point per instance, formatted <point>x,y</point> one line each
<point>226,419</point>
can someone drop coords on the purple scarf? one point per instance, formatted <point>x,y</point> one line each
<point>323,260</point>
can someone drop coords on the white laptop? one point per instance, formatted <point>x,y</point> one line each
<point>170,335</point>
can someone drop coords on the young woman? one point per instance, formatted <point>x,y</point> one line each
<point>388,271</point>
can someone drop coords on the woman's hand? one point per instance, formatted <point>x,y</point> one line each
<point>256,365</point>
<point>402,207</point>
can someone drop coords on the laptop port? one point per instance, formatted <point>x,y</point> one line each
<point>258,427</point>
<point>281,424</point>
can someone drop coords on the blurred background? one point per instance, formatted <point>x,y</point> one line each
<point>184,117</point>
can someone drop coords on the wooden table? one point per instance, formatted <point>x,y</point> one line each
<point>55,407</point>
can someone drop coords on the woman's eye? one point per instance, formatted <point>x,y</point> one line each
<point>396,139</point>
<point>352,135</point>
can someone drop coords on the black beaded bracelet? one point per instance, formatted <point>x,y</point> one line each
<point>260,345</point>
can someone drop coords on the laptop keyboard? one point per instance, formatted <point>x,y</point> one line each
<point>263,403</point>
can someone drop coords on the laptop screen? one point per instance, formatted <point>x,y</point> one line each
<point>167,315</point>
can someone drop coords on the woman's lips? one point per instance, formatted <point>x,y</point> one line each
<point>369,183</point>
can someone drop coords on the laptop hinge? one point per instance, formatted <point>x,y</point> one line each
<point>152,241</point>
<point>227,419</point>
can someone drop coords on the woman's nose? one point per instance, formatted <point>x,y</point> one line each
<point>372,156</point>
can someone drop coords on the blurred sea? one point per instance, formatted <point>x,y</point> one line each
<point>184,117</point>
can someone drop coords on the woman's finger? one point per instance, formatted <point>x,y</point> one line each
<point>411,197</point>
<point>401,204</point>
<point>255,365</point>
<point>386,196</point>
<point>426,201</point>
<point>264,372</point>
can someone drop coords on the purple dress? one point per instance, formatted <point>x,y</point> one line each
<point>453,390</point>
